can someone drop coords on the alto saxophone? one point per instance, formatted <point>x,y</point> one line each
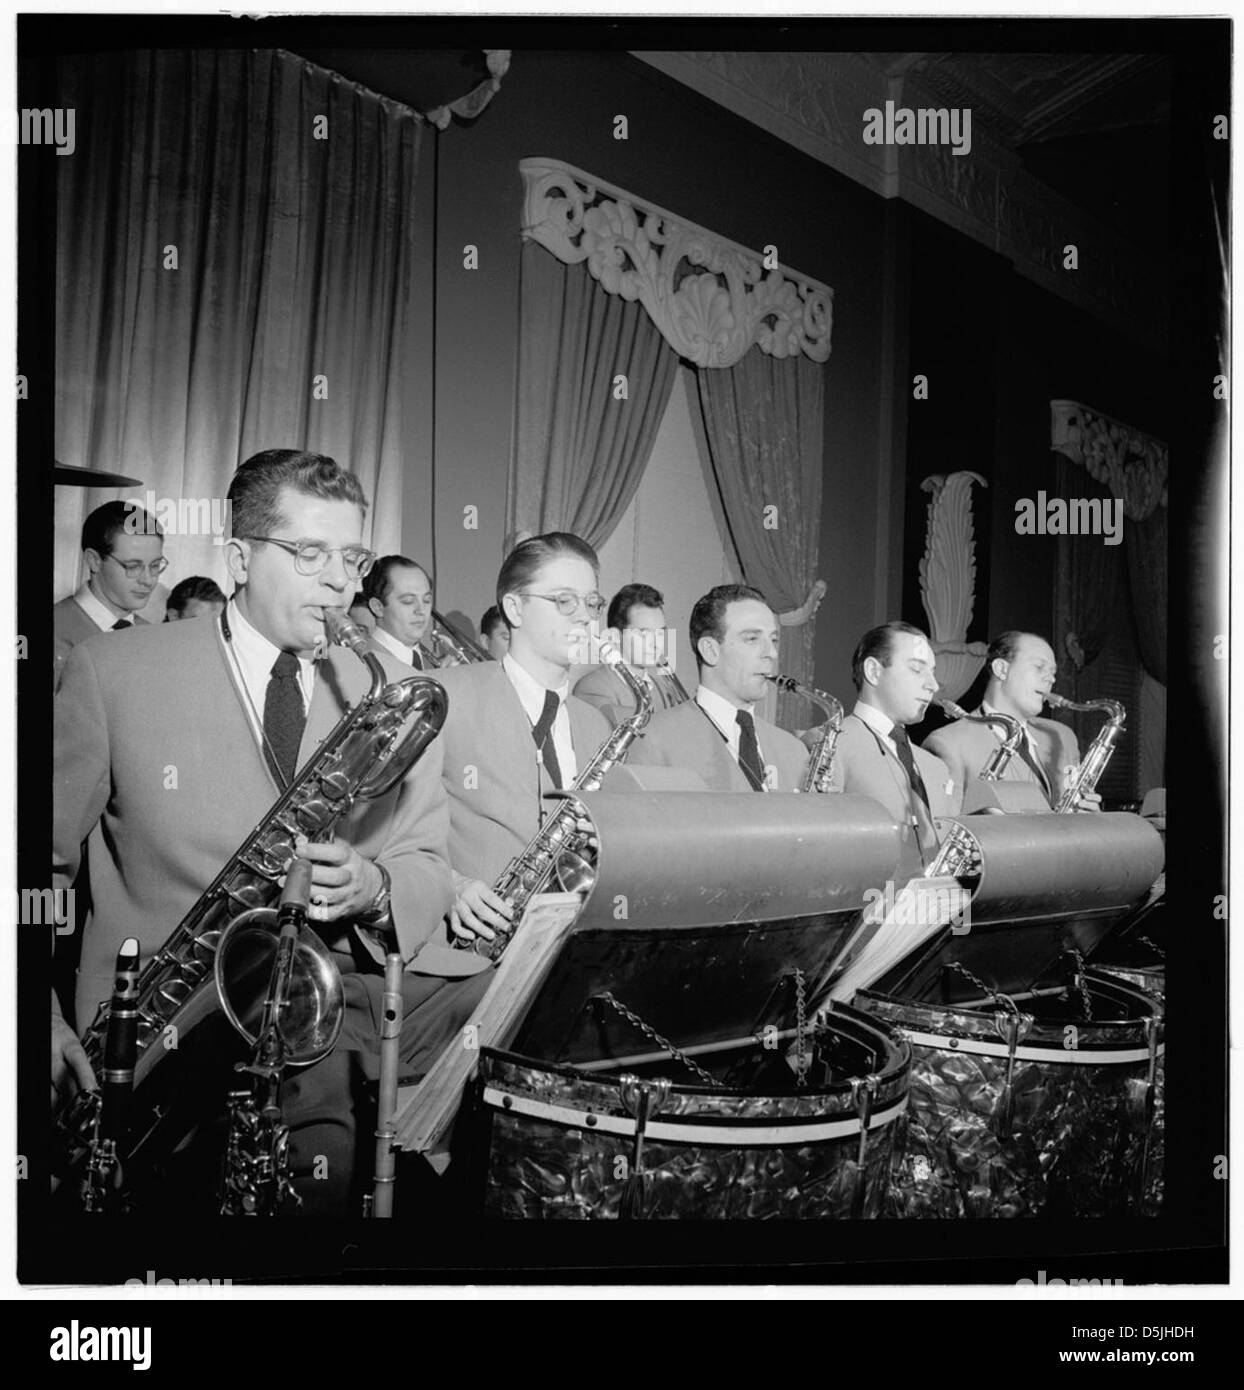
<point>556,849</point>
<point>218,959</point>
<point>958,854</point>
<point>820,767</point>
<point>1093,764</point>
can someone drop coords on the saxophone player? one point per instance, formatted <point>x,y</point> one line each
<point>893,673</point>
<point>171,746</point>
<point>717,733</point>
<point>514,731</point>
<point>1021,670</point>
<point>637,614</point>
<point>398,592</point>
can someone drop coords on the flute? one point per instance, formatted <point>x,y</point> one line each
<point>117,1084</point>
<point>386,1112</point>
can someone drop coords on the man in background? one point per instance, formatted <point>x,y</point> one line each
<point>399,595</point>
<point>196,597</point>
<point>637,614</point>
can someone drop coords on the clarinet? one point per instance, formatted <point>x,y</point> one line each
<point>101,1190</point>
<point>379,1202</point>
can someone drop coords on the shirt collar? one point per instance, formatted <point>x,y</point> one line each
<point>102,616</point>
<point>879,723</point>
<point>999,730</point>
<point>256,655</point>
<point>530,691</point>
<point>724,714</point>
<point>391,644</point>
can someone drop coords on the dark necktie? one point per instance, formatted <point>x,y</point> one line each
<point>1028,753</point>
<point>416,658</point>
<point>542,732</point>
<point>903,744</point>
<point>121,623</point>
<point>749,751</point>
<point>284,718</point>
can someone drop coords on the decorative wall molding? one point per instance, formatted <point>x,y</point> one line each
<point>816,103</point>
<point>948,579</point>
<point>641,252</point>
<point>1132,464</point>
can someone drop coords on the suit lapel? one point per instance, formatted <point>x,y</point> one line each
<point>926,831</point>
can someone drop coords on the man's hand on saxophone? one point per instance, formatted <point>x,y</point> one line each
<point>69,1060</point>
<point>1086,801</point>
<point>343,883</point>
<point>477,911</point>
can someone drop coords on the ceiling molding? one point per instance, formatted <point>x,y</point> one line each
<point>815,102</point>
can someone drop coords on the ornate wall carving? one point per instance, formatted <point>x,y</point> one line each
<point>948,579</point>
<point>1132,464</point>
<point>639,251</point>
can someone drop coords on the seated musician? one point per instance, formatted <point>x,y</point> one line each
<point>1021,671</point>
<point>717,733</point>
<point>514,730</point>
<point>170,747</point>
<point>399,595</point>
<point>494,634</point>
<point>892,670</point>
<point>196,597</point>
<point>636,613</point>
<point>123,549</point>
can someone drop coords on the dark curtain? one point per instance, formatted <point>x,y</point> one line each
<point>763,419</point>
<point>1145,547</point>
<point>581,446</point>
<point>229,281</point>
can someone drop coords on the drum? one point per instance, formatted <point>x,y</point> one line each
<point>1042,1106</point>
<point>570,1143</point>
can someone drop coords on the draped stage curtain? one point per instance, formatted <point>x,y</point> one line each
<point>1088,578</point>
<point>763,419</point>
<point>579,452</point>
<point>285,320</point>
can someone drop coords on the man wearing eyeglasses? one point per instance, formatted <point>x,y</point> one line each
<point>123,547</point>
<point>514,731</point>
<point>168,753</point>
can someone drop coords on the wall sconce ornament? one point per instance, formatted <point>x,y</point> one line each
<point>948,579</point>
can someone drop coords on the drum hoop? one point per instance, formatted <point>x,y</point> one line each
<point>762,1134</point>
<point>1071,1056</point>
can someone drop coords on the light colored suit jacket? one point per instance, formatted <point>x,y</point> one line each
<point>71,624</point>
<point>609,693</point>
<point>865,764</point>
<point>494,778</point>
<point>686,737</point>
<point>966,747</point>
<point>157,767</point>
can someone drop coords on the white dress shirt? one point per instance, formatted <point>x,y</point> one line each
<point>532,693</point>
<point>99,613</point>
<point>881,724</point>
<point>253,659</point>
<point>999,732</point>
<point>726,717</point>
<point>386,639</point>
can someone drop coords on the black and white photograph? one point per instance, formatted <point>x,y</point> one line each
<point>623,650</point>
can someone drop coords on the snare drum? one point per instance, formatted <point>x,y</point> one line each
<point>568,1143</point>
<point>1044,1109</point>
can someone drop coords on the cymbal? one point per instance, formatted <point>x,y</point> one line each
<point>73,475</point>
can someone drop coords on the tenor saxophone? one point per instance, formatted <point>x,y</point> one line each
<point>217,962</point>
<point>1093,764</point>
<point>555,852</point>
<point>958,853</point>
<point>820,770</point>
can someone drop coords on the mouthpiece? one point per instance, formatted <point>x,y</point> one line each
<point>1056,701</point>
<point>343,630</point>
<point>955,711</point>
<point>785,683</point>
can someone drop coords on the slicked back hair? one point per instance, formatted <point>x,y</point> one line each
<point>198,586</point>
<point>1005,647</point>
<point>632,596</point>
<point>101,529</point>
<point>527,558</point>
<point>879,642</point>
<point>379,582</point>
<point>708,617</point>
<point>255,491</point>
